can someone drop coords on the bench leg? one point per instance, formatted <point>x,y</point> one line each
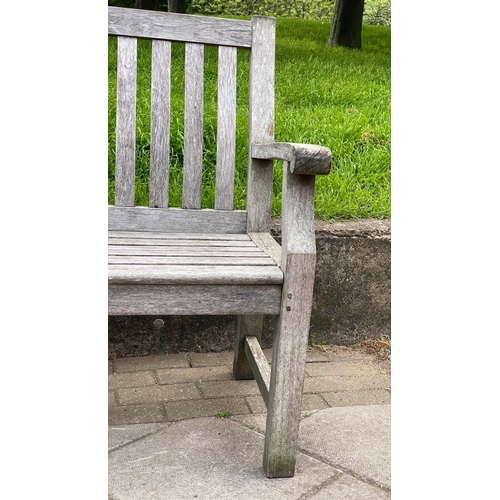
<point>287,370</point>
<point>245,326</point>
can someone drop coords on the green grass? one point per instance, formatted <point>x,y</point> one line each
<point>338,98</point>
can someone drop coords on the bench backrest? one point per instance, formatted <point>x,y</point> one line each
<point>258,36</point>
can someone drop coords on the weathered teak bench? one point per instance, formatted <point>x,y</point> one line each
<point>172,261</point>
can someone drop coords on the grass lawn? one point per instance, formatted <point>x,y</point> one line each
<point>338,98</point>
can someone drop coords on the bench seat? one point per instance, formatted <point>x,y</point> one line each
<point>175,273</point>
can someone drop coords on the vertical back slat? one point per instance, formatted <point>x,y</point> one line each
<point>125,121</point>
<point>193,126</point>
<point>261,126</point>
<point>226,128</point>
<point>160,123</point>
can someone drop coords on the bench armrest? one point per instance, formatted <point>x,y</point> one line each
<point>305,159</point>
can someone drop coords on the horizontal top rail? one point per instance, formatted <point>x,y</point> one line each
<point>179,27</point>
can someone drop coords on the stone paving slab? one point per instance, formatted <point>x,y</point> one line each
<point>124,434</point>
<point>349,488</point>
<point>209,459</point>
<point>356,439</point>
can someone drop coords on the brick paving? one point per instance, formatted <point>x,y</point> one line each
<point>172,387</point>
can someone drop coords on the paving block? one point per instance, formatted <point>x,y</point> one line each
<point>309,402</point>
<point>179,410</point>
<point>122,365</point>
<point>346,383</point>
<point>358,398</point>
<point>206,373</point>
<point>357,367</point>
<point>135,414</point>
<point>229,388</point>
<point>132,379</point>
<point>111,398</point>
<point>158,394</point>
<point>211,358</point>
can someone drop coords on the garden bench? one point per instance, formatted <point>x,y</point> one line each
<point>200,261</point>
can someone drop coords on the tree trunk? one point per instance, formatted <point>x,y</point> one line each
<point>147,4</point>
<point>347,23</point>
<point>179,6</point>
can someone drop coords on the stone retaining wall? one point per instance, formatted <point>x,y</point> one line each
<point>352,299</point>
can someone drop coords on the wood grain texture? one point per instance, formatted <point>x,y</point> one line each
<point>268,245</point>
<point>261,122</point>
<point>193,126</point>
<point>160,124</point>
<point>173,236</point>
<point>287,371</point>
<point>183,251</point>
<point>190,275</point>
<point>187,300</point>
<point>125,122</point>
<point>292,331</point>
<point>179,27</point>
<point>259,366</point>
<point>172,220</point>
<point>245,326</point>
<point>195,260</point>
<point>226,129</point>
<point>167,242</point>
<point>305,159</point>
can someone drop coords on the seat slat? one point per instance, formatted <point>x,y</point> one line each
<point>160,123</point>
<point>125,121</point>
<point>174,236</point>
<point>201,275</point>
<point>184,251</point>
<point>181,243</point>
<point>193,126</point>
<point>226,128</point>
<point>191,261</point>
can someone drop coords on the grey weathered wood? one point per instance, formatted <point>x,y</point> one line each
<point>245,326</point>
<point>160,123</point>
<point>174,236</point>
<point>226,129</point>
<point>170,220</point>
<point>268,244</point>
<point>259,366</point>
<point>261,122</point>
<point>292,331</point>
<point>183,251</point>
<point>179,27</point>
<point>306,159</point>
<point>187,275</point>
<point>192,299</point>
<point>191,261</point>
<point>165,242</point>
<point>193,127</point>
<point>125,122</point>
